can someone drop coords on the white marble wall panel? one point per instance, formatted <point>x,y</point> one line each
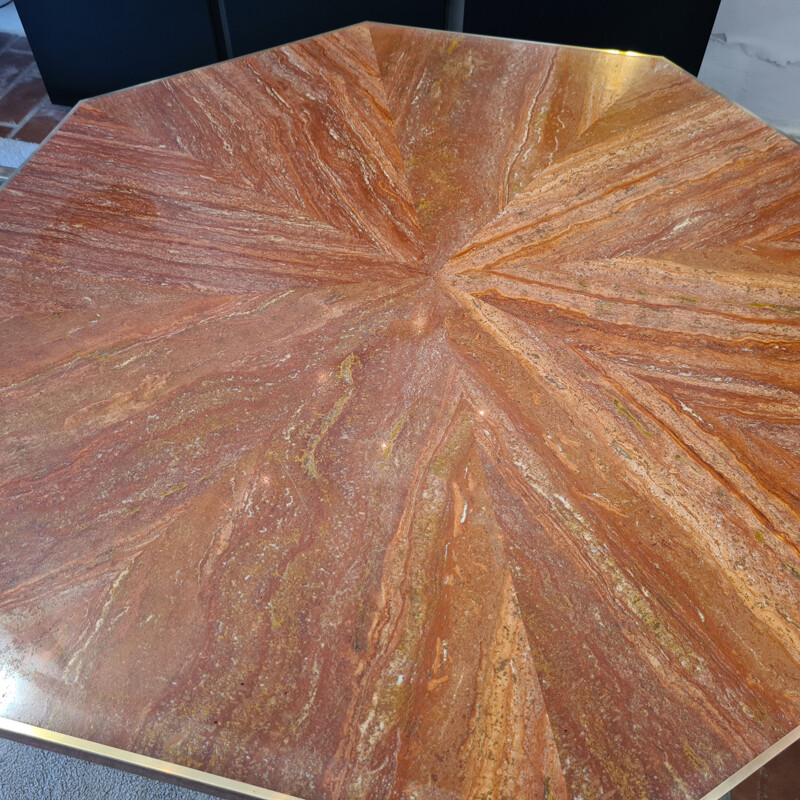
<point>753,58</point>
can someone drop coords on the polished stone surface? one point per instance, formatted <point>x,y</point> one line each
<point>398,414</point>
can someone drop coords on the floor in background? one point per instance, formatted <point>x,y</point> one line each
<point>26,114</point>
<point>10,21</point>
<point>27,773</point>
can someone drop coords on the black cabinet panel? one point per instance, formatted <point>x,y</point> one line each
<point>87,47</point>
<point>258,24</point>
<point>677,29</point>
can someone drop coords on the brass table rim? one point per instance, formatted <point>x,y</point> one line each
<point>133,762</point>
<point>175,773</point>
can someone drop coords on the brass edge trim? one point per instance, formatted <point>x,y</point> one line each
<point>507,39</point>
<point>146,765</point>
<point>748,769</point>
<point>30,734</point>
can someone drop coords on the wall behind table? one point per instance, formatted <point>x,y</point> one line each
<point>753,58</point>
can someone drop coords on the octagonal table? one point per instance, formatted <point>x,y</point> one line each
<point>398,414</point>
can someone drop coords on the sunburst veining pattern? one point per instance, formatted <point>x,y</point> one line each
<point>397,414</point>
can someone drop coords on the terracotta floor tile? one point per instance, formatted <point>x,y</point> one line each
<point>12,64</point>
<point>20,43</point>
<point>23,97</point>
<point>5,130</point>
<point>42,122</point>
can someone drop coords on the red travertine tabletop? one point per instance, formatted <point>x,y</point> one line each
<point>399,414</point>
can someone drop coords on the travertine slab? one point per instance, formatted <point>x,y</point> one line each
<point>398,414</point>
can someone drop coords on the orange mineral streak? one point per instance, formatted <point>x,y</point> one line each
<point>409,416</point>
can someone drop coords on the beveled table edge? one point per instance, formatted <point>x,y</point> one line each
<point>41,144</point>
<point>151,81</point>
<point>229,788</point>
<point>753,766</point>
<point>463,34</point>
<point>146,766</point>
<point>747,111</point>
